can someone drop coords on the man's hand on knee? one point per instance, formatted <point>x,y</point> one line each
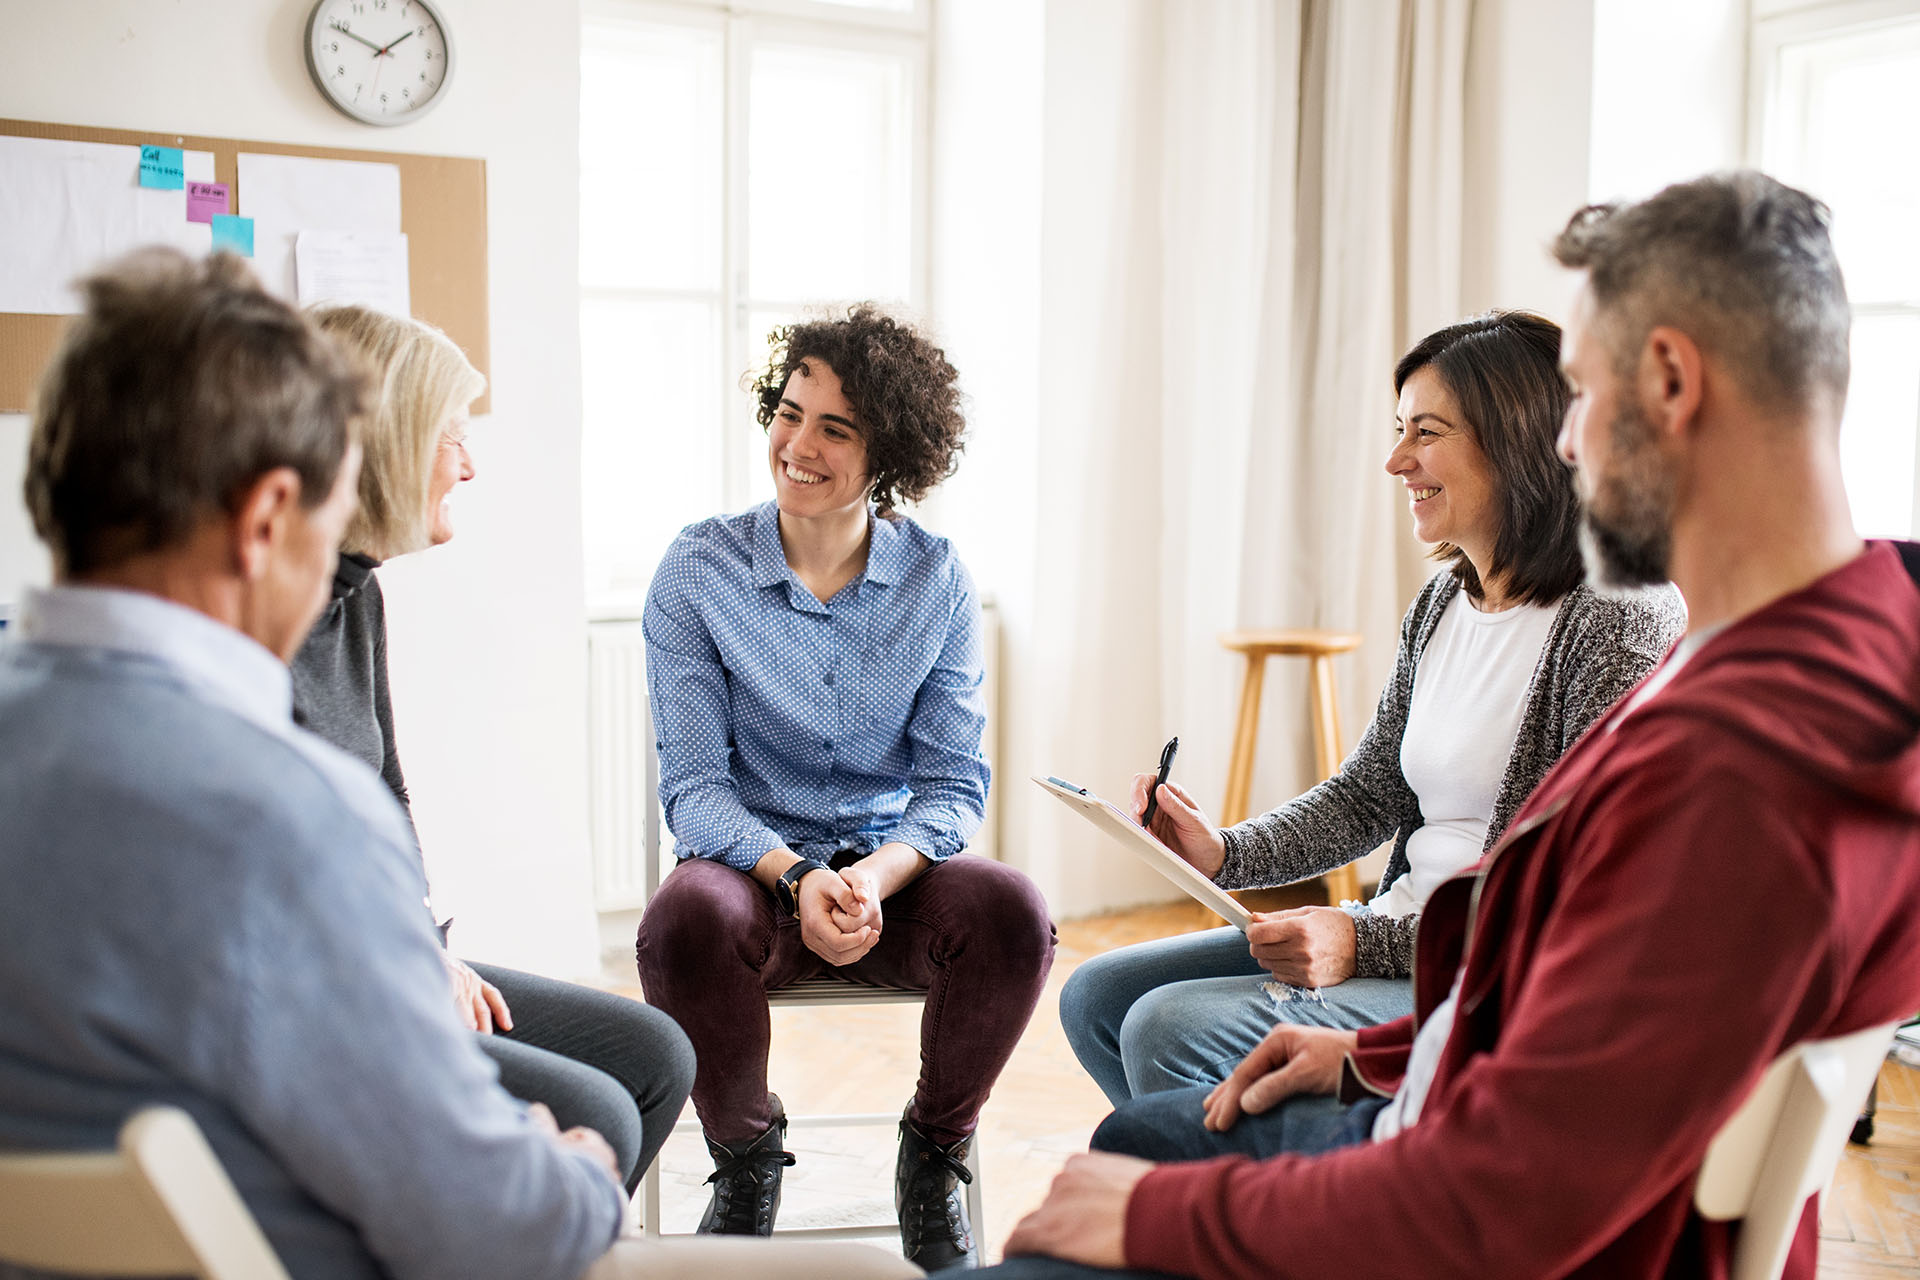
<point>480,1003</point>
<point>579,1138</point>
<point>1289,1061</point>
<point>1084,1217</point>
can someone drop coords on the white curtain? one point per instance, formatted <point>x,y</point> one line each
<point>1251,209</point>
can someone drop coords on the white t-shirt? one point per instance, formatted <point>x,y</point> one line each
<point>1469,694</point>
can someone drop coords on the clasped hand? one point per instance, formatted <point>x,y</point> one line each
<point>840,914</point>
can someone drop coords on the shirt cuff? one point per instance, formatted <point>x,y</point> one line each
<point>745,853</point>
<point>934,843</point>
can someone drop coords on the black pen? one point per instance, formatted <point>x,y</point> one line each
<point>1166,766</point>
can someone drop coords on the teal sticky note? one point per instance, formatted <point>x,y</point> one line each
<point>163,167</point>
<point>233,233</point>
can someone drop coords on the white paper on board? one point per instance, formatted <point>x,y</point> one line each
<point>68,207</point>
<point>366,267</point>
<point>285,195</point>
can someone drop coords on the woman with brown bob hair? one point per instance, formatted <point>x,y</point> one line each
<point>815,670</point>
<point>596,1060</point>
<point>1505,658</point>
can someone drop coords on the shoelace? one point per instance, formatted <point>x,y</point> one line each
<point>750,1169</point>
<point>934,1214</point>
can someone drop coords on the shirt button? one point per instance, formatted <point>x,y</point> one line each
<point>827,678</point>
<point>828,744</point>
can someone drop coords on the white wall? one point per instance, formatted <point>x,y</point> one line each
<point>1669,93</point>
<point>1529,101</point>
<point>984,305</point>
<point>1041,124</point>
<point>488,633</point>
<point>1570,101</point>
<point>1100,311</point>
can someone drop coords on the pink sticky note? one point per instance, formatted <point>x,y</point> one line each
<point>204,199</point>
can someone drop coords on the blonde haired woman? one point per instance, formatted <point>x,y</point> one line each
<point>596,1060</point>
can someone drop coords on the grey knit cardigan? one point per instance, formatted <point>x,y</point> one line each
<point>1599,648</point>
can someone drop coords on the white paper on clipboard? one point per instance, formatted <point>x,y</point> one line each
<point>1144,845</point>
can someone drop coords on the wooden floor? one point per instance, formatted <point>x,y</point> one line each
<point>1045,1107</point>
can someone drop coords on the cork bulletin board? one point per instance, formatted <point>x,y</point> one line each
<point>443,212</point>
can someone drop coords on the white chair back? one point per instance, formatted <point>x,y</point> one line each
<point>159,1205</point>
<point>1783,1143</point>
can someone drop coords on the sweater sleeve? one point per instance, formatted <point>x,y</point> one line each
<point>1383,945</point>
<point>1356,809</point>
<point>1588,1061</point>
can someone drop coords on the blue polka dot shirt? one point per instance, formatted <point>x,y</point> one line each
<point>821,727</point>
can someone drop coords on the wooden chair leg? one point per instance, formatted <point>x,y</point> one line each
<point>1246,735</point>
<point>1342,883</point>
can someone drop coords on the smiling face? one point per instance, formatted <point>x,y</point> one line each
<point>1449,482</point>
<point>814,448</point>
<point>1626,491</point>
<point>452,465</point>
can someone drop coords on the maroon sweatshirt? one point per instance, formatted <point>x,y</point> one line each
<point>1698,885</point>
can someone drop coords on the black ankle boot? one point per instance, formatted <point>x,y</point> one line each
<point>746,1182</point>
<point>934,1231</point>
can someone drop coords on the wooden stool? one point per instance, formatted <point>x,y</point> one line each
<point>1319,648</point>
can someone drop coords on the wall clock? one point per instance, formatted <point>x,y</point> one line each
<point>380,61</point>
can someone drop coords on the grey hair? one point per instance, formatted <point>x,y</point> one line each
<point>1740,262</point>
<point>180,385</point>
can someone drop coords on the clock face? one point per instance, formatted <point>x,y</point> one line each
<point>380,61</point>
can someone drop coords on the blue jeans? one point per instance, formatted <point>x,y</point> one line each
<point>595,1059</point>
<point>1183,1011</point>
<point>1166,1127</point>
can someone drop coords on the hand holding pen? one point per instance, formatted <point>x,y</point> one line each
<point>1175,818</point>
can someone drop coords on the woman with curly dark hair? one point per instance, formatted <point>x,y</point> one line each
<point>815,670</point>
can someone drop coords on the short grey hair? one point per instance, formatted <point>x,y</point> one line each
<point>180,385</point>
<point>1740,262</point>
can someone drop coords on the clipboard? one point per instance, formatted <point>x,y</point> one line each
<point>1148,848</point>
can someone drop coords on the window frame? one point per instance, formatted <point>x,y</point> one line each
<point>1778,24</point>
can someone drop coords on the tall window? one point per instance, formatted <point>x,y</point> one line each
<point>1833,113</point>
<point>740,163</point>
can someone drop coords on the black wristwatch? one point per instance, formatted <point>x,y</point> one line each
<point>786,890</point>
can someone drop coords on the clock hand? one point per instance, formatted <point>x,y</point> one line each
<point>362,39</point>
<point>392,43</point>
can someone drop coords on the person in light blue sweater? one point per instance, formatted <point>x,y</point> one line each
<point>178,923</point>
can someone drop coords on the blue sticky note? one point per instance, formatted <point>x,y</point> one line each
<point>233,233</point>
<point>163,167</point>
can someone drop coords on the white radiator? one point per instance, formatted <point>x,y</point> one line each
<point>623,776</point>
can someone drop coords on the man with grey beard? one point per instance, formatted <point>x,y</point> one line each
<point>1727,864</point>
